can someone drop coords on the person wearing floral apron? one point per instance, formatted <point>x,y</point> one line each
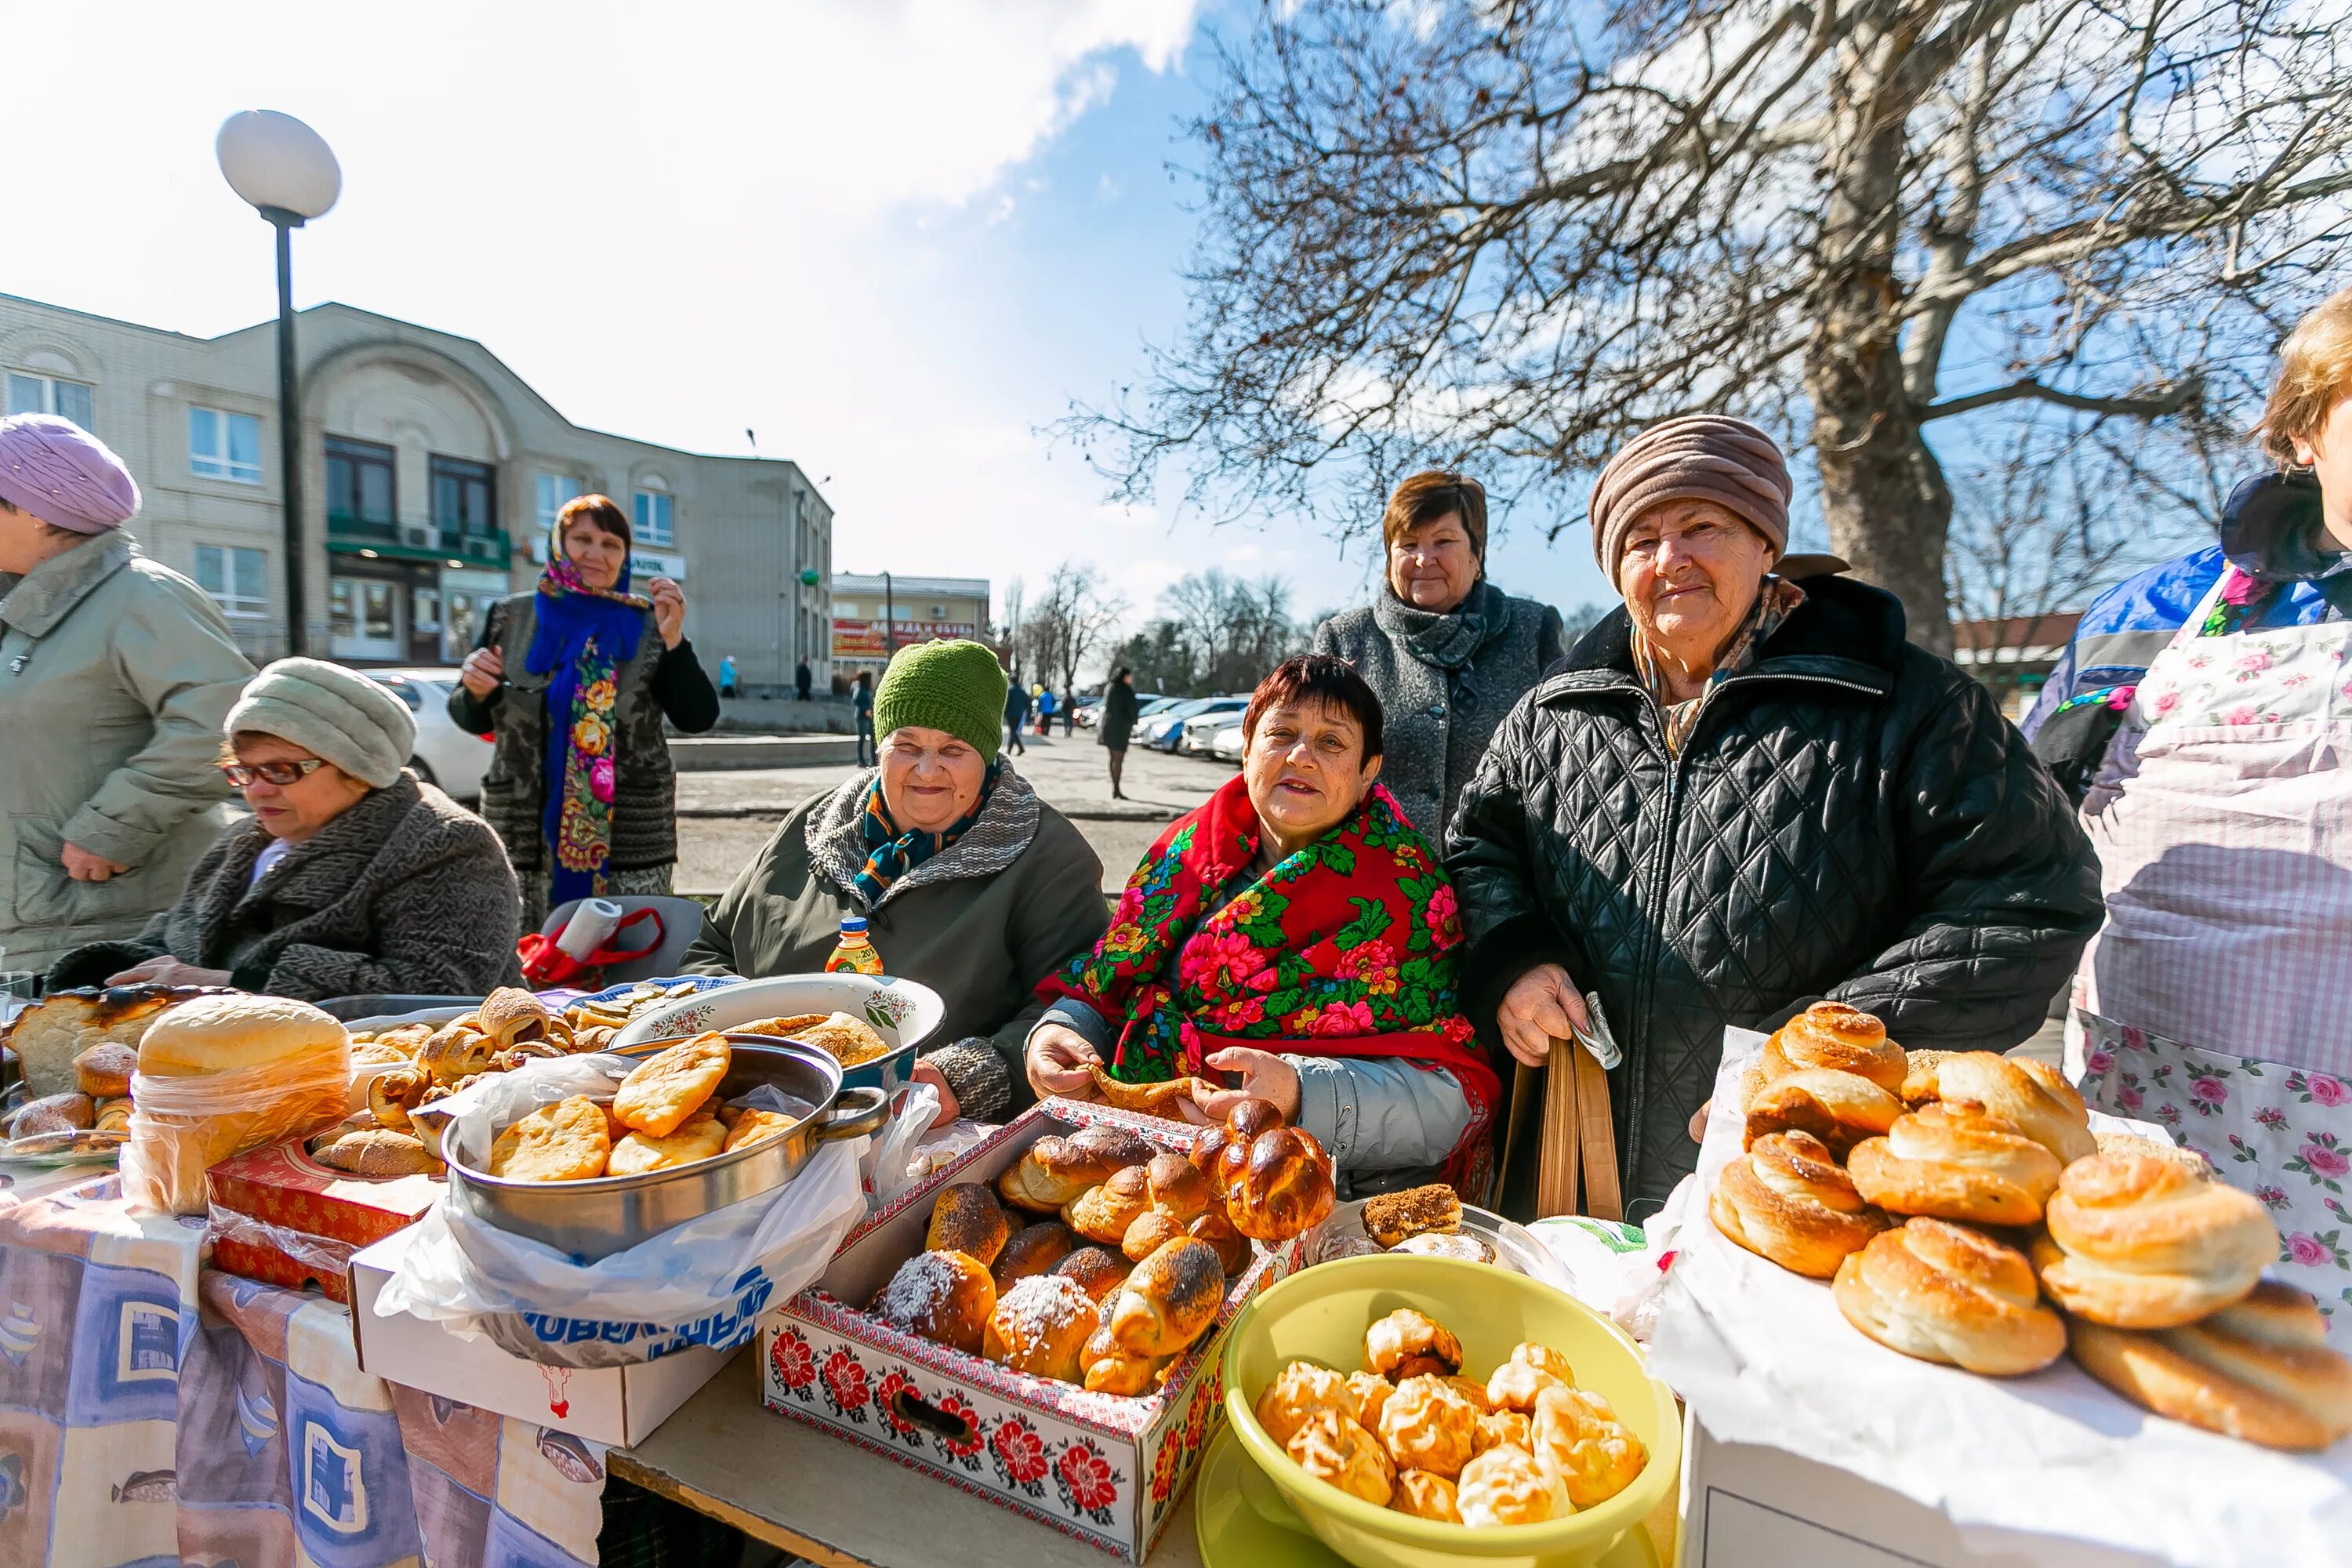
<point>2217,1002</point>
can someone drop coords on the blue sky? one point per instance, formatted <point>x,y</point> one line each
<point>894,236</point>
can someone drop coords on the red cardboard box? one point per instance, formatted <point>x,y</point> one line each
<point>279,1216</point>
<point>1103,1468</point>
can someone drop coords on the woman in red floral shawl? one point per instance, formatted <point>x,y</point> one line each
<point>1295,933</point>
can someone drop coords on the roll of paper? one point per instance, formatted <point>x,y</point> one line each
<point>595,920</point>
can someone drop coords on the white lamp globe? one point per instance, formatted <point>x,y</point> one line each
<point>273,160</point>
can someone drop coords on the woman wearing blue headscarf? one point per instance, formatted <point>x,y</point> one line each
<point>572,691</point>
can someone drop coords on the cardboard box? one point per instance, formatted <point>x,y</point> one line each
<point>282,1218</point>
<point>617,1405</point>
<point>1745,1503</point>
<point>1104,1468</point>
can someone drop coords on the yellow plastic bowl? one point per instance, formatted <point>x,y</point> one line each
<point>1321,1315</point>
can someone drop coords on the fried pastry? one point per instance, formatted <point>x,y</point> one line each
<point>566,1142</point>
<point>1502,1429</point>
<point>701,1137</point>
<point>662,1091</point>
<point>754,1126</point>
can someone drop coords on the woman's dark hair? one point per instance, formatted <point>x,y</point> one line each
<point>602,512</point>
<point>1323,679</point>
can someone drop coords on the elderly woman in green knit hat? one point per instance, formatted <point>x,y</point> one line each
<point>970,884</point>
<point>350,877</point>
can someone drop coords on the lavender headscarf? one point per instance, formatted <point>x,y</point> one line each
<point>62,474</point>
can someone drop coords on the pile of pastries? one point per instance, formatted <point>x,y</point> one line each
<point>850,1041</point>
<point>1122,1261</point>
<point>1410,1433</point>
<point>664,1114</point>
<point>92,1116</point>
<point>593,1024</point>
<point>1420,1221</point>
<point>1967,1215</point>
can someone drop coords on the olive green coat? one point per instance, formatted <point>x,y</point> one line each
<point>115,674</point>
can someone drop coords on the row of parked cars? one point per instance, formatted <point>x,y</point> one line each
<point>1196,726</point>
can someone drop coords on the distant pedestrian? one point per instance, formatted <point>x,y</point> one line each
<point>1016,714</point>
<point>1069,711</point>
<point>801,679</point>
<point>1045,710</point>
<point>727,675</point>
<point>1118,722</point>
<point>861,703</point>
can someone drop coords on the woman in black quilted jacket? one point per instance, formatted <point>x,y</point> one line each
<point>1744,792</point>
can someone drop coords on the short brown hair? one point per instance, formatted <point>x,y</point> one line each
<point>2315,375</point>
<point>601,510</point>
<point>1427,497</point>
<point>1319,677</point>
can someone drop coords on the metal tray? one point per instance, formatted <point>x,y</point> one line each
<point>1515,1246</point>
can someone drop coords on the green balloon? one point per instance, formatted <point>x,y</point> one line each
<point>808,576</point>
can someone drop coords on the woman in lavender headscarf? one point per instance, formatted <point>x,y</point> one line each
<point>115,674</point>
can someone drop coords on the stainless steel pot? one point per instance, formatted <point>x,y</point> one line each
<point>597,1218</point>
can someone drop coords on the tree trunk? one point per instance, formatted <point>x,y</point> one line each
<point>1883,493</point>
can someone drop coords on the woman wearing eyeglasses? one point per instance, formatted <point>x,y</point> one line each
<point>350,877</point>
<point>1447,652</point>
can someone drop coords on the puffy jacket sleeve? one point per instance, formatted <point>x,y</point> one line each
<point>2006,886</point>
<point>1491,856</point>
<point>173,652</point>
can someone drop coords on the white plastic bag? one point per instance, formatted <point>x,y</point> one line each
<point>701,1283</point>
<point>884,1170</point>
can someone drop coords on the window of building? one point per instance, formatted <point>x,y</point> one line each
<point>235,578</point>
<point>554,489</point>
<point>652,521</point>
<point>222,445</point>
<point>359,485</point>
<point>50,395</point>
<point>464,497</point>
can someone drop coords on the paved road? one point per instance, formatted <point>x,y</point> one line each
<point>725,817</point>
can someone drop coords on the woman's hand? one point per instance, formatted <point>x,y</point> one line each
<point>168,971</point>
<point>1057,1061</point>
<point>1542,1005</point>
<point>1265,1076</point>
<point>84,867</point>
<point>948,1109</point>
<point>483,671</point>
<point>669,610</point>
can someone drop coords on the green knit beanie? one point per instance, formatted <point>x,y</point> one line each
<point>954,686</point>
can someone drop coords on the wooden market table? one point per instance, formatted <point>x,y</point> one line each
<point>810,1493</point>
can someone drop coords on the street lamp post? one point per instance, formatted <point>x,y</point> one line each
<point>889,620</point>
<point>287,173</point>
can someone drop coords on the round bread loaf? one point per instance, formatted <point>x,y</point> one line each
<point>231,1031</point>
<point>1956,1162</point>
<point>967,1219</point>
<point>1832,1034</point>
<point>222,1074</point>
<point>1946,1293</point>
<point>1040,1326</point>
<point>1786,1199</point>
<point>2033,1094</point>
<point>2137,1241</point>
<point>2259,1371</point>
<point>943,1297</point>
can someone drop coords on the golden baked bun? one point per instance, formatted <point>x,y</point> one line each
<point>967,1219</point>
<point>1425,1496</point>
<point>1330,1447</point>
<point>1040,1326</point>
<point>1507,1486</point>
<point>1578,1436</point>
<point>73,1111</point>
<point>1098,1268</point>
<point>1232,1249</point>
<point>2030,1093</point>
<point>103,1071</point>
<point>2136,1241</point>
<point>1103,1212</point>
<point>1151,1231</point>
<point>1285,1188</point>
<point>1427,1424</point>
<point>2260,1371</point>
<point>942,1297</point>
<point>1176,1189</point>
<point>1502,1429</point>
<point>2188,1159</point>
<point>1171,1297</point>
<point>1108,1369</point>
<point>1786,1200</point>
<point>512,1016</point>
<point>1839,1108</point>
<point>1956,1162</point>
<point>1372,1391</point>
<point>1297,1392</point>
<point>1407,1344</point>
<point>1052,1171</point>
<point>231,1072</point>
<point>1471,1389</point>
<point>1514,1384</point>
<point>1033,1249</point>
<point>1832,1034</point>
<point>1945,1293</point>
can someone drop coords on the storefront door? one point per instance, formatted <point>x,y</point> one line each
<point>365,619</point>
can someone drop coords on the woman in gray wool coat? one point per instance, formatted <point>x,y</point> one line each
<point>1448,652</point>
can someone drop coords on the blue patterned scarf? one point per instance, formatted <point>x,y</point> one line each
<point>581,637</point>
<point>890,854</point>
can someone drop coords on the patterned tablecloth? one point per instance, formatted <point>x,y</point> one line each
<point>153,1411</point>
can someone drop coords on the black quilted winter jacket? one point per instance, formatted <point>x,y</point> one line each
<point>1850,818</point>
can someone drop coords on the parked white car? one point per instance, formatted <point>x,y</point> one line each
<point>446,755</point>
<point>1201,729</point>
<point>1229,745</point>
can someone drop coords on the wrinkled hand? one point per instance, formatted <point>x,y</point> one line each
<point>483,671</point>
<point>948,1109</point>
<point>1542,1005</point>
<point>669,610</point>
<point>1057,1061</point>
<point>1265,1076</point>
<point>84,867</point>
<point>1698,1121</point>
<point>168,971</point>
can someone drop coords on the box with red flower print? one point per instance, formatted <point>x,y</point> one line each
<point>1102,1468</point>
<point>282,1218</point>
